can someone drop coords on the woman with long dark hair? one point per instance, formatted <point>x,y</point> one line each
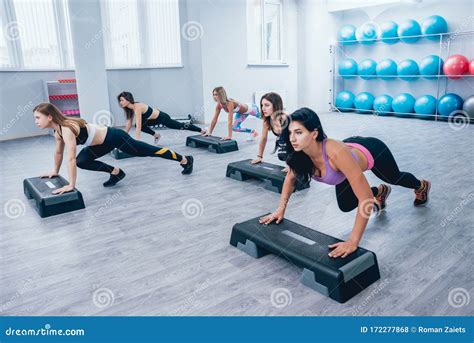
<point>98,140</point>
<point>146,116</point>
<point>311,155</point>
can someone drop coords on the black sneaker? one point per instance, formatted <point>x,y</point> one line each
<point>188,167</point>
<point>421,194</point>
<point>383,195</point>
<point>114,179</point>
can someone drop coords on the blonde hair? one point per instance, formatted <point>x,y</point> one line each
<point>74,124</point>
<point>222,96</point>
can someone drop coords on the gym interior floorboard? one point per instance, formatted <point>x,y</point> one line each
<point>134,241</point>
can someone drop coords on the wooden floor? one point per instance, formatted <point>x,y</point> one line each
<point>158,242</point>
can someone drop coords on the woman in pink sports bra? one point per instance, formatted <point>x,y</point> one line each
<point>311,155</point>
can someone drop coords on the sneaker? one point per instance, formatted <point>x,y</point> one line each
<point>114,179</point>
<point>252,136</point>
<point>206,130</point>
<point>188,167</point>
<point>421,194</point>
<point>382,196</point>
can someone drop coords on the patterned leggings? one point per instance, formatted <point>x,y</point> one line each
<point>239,118</point>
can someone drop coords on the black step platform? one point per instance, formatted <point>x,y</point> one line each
<point>338,278</point>
<point>47,203</point>
<point>271,174</point>
<point>119,154</point>
<point>213,143</point>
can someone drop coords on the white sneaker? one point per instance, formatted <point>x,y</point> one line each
<point>252,136</point>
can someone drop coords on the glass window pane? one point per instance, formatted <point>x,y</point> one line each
<point>38,36</point>
<point>4,58</point>
<point>272,31</point>
<point>254,33</point>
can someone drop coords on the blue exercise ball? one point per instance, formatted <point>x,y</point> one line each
<point>383,105</point>
<point>407,28</point>
<point>449,104</point>
<point>364,103</point>
<point>345,101</point>
<point>431,66</point>
<point>347,67</point>
<point>368,33</point>
<point>387,67</point>
<point>407,69</point>
<point>425,106</point>
<point>403,104</point>
<point>347,35</point>
<point>367,69</point>
<point>434,25</point>
<point>389,32</point>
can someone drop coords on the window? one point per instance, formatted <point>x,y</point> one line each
<point>152,40</point>
<point>37,34</point>
<point>264,22</point>
<point>4,58</point>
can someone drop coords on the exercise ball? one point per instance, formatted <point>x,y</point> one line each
<point>468,106</point>
<point>408,28</point>
<point>431,65</point>
<point>471,67</point>
<point>347,67</point>
<point>367,33</point>
<point>455,66</point>
<point>367,69</point>
<point>433,25</point>
<point>388,32</point>
<point>407,68</point>
<point>345,101</point>
<point>449,103</point>
<point>387,67</point>
<point>403,104</point>
<point>364,101</point>
<point>383,105</point>
<point>425,105</point>
<point>347,35</point>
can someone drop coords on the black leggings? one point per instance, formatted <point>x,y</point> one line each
<point>116,138</point>
<point>385,168</point>
<point>165,120</point>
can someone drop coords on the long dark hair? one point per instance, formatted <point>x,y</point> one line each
<point>298,161</point>
<point>129,97</point>
<point>277,104</point>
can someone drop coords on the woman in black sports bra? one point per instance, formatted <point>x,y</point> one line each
<point>98,141</point>
<point>146,116</point>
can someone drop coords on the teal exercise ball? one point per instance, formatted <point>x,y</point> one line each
<point>408,28</point>
<point>347,67</point>
<point>383,105</point>
<point>403,104</point>
<point>367,69</point>
<point>449,104</point>
<point>425,106</point>
<point>368,33</point>
<point>407,69</point>
<point>389,32</point>
<point>387,67</point>
<point>434,25</point>
<point>347,35</point>
<point>345,101</point>
<point>364,103</point>
<point>431,66</point>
